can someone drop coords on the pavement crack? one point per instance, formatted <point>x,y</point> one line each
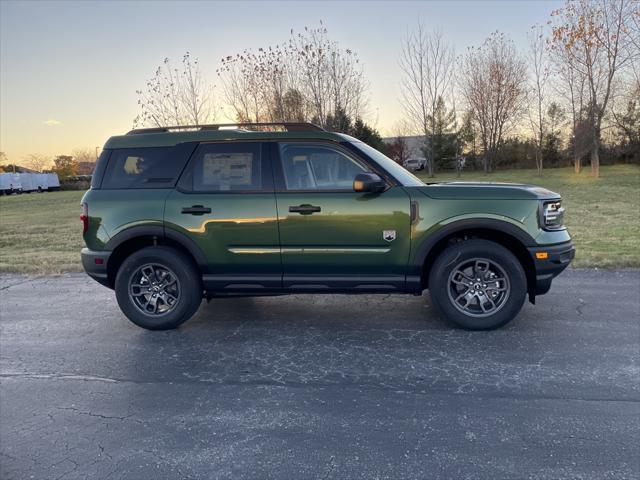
<point>58,376</point>
<point>27,280</point>
<point>104,452</point>
<point>99,415</point>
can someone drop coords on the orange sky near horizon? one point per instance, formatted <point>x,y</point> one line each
<point>69,70</point>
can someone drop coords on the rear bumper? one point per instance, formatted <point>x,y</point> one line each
<point>546,269</point>
<point>95,264</point>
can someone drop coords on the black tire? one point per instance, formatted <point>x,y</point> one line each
<point>188,278</point>
<point>442,286</point>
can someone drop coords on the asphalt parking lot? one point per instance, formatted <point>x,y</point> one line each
<point>309,386</point>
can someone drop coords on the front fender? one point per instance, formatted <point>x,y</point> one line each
<point>446,228</point>
<point>439,219</point>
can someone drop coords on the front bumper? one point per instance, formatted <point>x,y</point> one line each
<point>558,257</point>
<point>95,264</point>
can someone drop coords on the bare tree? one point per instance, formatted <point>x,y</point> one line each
<point>556,119</point>
<point>176,96</point>
<point>261,86</point>
<point>598,38</point>
<point>331,77</point>
<point>427,63</point>
<point>538,93</point>
<point>492,82</point>
<point>570,83</point>
<point>84,155</point>
<point>37,162</point>
<point>309,77</point>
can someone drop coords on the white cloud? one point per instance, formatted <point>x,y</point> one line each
<point>51,123</point>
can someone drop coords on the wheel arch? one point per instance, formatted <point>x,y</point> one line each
<point>133,239</point>
<point>513,238</point>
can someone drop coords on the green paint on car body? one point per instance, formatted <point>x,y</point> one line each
<point>260,235</point>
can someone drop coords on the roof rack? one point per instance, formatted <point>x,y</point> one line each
<point>286,126</point>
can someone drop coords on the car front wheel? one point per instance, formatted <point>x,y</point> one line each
<point>158,288</point>
<point>477,284</point>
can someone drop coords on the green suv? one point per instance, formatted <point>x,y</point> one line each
<point>180,213</point>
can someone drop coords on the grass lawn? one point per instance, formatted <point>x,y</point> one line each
<point>603,215</point>
<point>40,232</point>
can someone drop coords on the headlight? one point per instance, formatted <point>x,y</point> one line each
<point>552,215</point>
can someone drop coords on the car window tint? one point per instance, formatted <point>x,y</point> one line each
<point>152,167</point>
<point>226,167</point>
<point>310,166</point>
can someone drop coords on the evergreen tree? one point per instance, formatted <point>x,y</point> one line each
<point>443,139</point>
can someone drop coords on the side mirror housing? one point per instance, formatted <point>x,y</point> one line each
<point>368,183</point>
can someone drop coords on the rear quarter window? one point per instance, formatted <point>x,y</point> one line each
<point>101,165</point>
<point>148,167</point>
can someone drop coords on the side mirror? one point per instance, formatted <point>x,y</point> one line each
<point>368,183</point>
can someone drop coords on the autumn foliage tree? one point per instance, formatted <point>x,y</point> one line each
<point>65,166</point>
<point>398,150</point>
<point>596,40</point>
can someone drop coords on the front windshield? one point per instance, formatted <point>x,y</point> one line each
<point>406,178</point>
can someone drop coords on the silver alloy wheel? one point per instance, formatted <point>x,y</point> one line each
<point>154,289</point>
<point>478,287</point>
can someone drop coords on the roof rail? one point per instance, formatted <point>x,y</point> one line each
<point>286,126</point>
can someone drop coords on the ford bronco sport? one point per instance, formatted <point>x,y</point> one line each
<point>178,214</point>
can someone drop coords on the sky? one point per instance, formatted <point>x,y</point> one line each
<point>69,70</point>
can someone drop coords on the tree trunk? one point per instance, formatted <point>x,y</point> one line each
<point>430,168</point>
<point>595,157</point>
<point>577,162</point>
<point>539,161</point>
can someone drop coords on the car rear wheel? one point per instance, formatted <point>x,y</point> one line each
<point>477,285</point>
<point>158,288</point>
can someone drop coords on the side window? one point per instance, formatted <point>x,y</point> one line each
<point>315,166</point>
<point>150,167</point>
<point>225,167</point>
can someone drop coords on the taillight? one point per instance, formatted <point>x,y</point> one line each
<point>84,217</point>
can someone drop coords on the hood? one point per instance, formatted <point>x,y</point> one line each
<point>487,191</point>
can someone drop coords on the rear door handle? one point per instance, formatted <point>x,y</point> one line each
<point>196,210</point>
<point>304,209</point>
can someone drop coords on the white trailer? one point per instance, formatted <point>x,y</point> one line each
<point>53,182</point>
<point>26,180</point>
<point>43,180</point>
<point>10,183</point>
<point>33,182</point>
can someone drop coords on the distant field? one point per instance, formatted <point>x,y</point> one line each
<point>41,233</point>
<point>603,215</point>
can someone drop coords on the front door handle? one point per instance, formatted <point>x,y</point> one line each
<point>196,210</point>
<point>304,209</point>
